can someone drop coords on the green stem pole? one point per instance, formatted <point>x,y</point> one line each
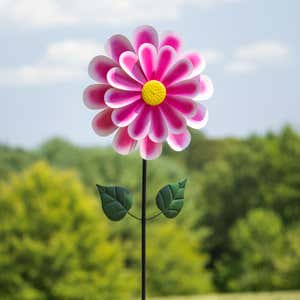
<point>143,245</point>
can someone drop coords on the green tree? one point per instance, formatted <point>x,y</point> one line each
<point>227,178</point>
<point>14,159</point>
<point>258,172</point>
<point>54,242</point>
<point>175,267</point>
<point>258,243</point>
<point>288,263</point>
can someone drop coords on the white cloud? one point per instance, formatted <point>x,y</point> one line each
<point>251,57</point>
<point>263,52</point>
<point>67,60</point>
<point>51,13</point>
<point>62,61</point>
<point>211,3</point>
<point>241,67</point>
<point>212,56</point>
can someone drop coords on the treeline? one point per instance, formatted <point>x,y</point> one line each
<point>239,230</point>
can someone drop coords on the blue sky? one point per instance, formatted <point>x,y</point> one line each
<point>251,47</point>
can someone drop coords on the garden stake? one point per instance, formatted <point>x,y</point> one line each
<point>147,93</point>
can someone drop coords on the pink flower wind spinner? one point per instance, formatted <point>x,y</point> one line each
<point>148,92</point>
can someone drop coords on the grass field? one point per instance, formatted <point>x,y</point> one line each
<point>248,296</point>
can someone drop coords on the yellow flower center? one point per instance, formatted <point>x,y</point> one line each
<point>154,92</point>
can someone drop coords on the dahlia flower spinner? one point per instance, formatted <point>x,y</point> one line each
<point>148,92</point>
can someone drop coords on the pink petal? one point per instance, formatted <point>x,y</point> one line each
<point>139,128</point>
<point>102,123</point>
<point>93,96</point>
<point>200,119</point>
<point>120,80</point>
<point>166,57</point>
<point>185,106</point>
<point>122,142</point>
<point>197,61</point>
<point>189,88</point>
<point>116,45</point>
<point>171,39</point>
<point>148,59</point>
<point>206,88</point>
<point>158,130</point>
<point>150,150</point>
<point>115,98</point>
<point>129,62</point>
<point>145,34</point>
<point>174,120</point>
<point>179,71</point>
<point>99,66</point>
<point>179,142</point>
<point>124,116</point>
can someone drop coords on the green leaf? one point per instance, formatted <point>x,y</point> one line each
<point>116,201</point>
<point>170,199</point>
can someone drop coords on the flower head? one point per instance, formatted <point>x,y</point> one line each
<point>148,92</point>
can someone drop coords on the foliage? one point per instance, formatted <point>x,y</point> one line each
<point>14,160</point>
<point>240,220</point>
<point>170,198</point>
<point>175,267</point>
<point>259,172</point>
<point>257,241</point>
<point>116,201</point>
<point>288,263</point>
<point>53,242</point>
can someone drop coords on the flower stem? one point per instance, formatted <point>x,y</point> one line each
<point>143,245</point>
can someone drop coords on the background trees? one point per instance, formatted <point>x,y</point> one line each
<point>239,229</point>
<point>54,243</point>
